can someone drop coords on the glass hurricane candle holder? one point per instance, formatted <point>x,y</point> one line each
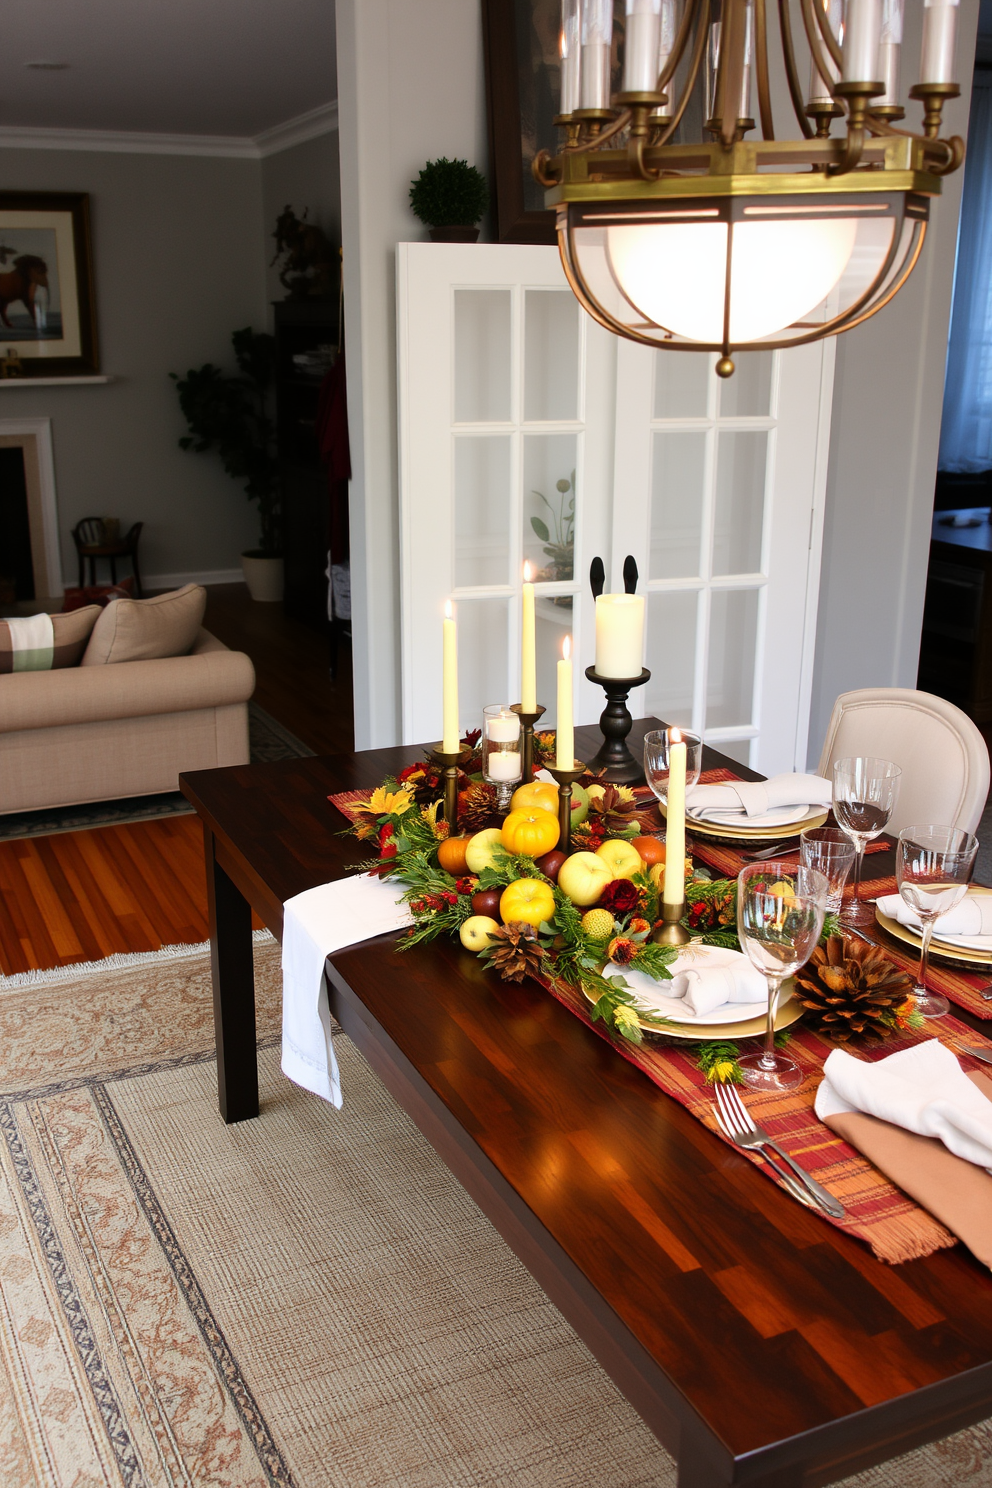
<point>502,761</point>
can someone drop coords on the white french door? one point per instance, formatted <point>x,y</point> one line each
<point>718,492</point>
<point>513,405</point>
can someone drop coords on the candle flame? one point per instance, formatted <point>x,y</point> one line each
<point>447,609</point>
<point>674,736</point>
<point>566,647</point>
<point>527,573</point>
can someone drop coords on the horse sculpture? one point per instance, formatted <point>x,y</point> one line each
<point>28,275</point>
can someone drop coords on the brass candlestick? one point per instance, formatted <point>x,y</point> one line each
<point>449,764</point>
<point>671,931</point>
<point>566,779</point>
<point>527,722</point>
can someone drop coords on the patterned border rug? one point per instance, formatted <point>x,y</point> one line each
<point>269,741</point>
<point>307,1299</point>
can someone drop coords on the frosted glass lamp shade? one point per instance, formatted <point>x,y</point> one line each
<point>660,273</point>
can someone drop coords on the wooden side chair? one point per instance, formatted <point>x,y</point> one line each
<point>90,538</point>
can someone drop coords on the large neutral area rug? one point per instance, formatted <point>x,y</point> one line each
<point>309,1298</point>
<point>268,740</point>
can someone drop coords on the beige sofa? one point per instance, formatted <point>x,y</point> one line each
<point>98,733</point>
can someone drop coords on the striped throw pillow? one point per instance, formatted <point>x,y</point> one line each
<point>22,650</point>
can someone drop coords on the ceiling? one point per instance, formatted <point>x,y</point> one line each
<point>205,67</point>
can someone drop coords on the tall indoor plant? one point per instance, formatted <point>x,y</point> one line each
<point>229,414</point>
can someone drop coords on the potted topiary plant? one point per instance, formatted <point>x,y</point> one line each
<point>449,197</point>
<point>230,415</point>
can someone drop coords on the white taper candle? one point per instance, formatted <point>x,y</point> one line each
<point>675,820</point>
<point>565,727</point>
<point>449,682</point>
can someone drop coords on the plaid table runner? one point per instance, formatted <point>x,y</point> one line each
<point>878,1213</point>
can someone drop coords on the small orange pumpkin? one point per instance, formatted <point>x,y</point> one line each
<point>451,855</point>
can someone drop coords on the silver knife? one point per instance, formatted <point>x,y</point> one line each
<point>985,1055</point>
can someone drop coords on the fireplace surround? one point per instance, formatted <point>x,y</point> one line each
<point>34,438</point>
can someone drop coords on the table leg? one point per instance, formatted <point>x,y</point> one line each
<point>233,974</point>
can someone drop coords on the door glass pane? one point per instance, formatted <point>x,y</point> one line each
<point>671,656</point>
<point>733,638</point>
<point>749,392</point>
<point>483,633</point>
<point>681,384</point>
<point>551,354</point>
<point>482,356</point>
<point>482,511</point>
<point>552,622</point>
<point>740,500</point>
<point>677,469</point>
<point>549,505</point>
<point>736,749</point>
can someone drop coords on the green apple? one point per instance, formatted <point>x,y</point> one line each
<point>483,849</point>
<point>622,858</point>
<point>475,932</point>
<point>583,877</point>
<point>580,804</point>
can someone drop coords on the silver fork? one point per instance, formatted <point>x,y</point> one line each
<point>747,1133</point>
<point>789,1183</point>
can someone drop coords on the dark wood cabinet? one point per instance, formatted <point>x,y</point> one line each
<point>956,644</point>
<point>306,331</point>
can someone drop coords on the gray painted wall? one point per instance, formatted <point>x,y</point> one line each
<point>307,175</point>
<point>178,263</point>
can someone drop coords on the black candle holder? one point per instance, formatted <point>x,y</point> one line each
<point>527,722</point>
<point>565,780</point>
<point>670,931</point>
<point>449,766</point>
<point>615,724</point>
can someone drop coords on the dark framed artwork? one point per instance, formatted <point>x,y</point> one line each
<point>47,304</point>
<point>522,91</point>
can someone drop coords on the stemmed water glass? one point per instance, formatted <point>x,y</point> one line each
<point>831,852</point>
<point>933,867</point>
<point>780,909</point>
<point>865,791</point>
<point>657,745</point>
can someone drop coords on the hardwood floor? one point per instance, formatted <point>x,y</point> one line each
<point>292,666</point>
<point>80,896</point>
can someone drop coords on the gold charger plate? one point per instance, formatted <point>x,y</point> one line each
<point>743,835</point>
<point>938,948</point>
<point>789,1011</point>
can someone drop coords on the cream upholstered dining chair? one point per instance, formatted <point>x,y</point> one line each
<point>942,755</point>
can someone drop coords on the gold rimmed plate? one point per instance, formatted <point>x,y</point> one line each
<point>943,950</point>
<point>789,1011</point>
<point>721,832</point>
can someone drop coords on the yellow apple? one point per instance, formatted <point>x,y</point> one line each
<point>475,932</point>
<point>622,858</point>
<point>583,877</point>
<point>483,849</point>
<point>529,901</point>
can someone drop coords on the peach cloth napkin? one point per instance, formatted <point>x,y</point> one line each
<point>954,1190</point>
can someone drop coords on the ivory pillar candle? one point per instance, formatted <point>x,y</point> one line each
<point>449,683</point>
<point>937,54</point>
<point>640,68</point>
<point>569,45</point>
<point>528,652</point>
<point>674,892</point>
<point>565,730</point>
<point>503,765</point>
<point>862,34</point>
<point>597,38</point>
<point>619,635</point>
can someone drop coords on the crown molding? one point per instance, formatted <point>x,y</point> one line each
<point>310,125</point>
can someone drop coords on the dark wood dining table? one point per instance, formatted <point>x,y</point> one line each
<point>761,1345</point>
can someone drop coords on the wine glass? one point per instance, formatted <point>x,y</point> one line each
<point>865,791</point>
<point>933,866</point>
<point>780,909</point>
<point>831,852</point>
<point>656,760</point>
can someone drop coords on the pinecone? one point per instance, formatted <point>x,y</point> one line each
<point>515,952</point>
<point>852,991</point>
<point>477,808</point>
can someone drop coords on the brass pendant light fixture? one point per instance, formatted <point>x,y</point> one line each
<point>738,244</point>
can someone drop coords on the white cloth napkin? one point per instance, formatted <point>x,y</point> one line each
<point>922,1089</point>
<point>315,925</point>
<point>971,919</point>
<point>759,802</point>
<point>704,979</point>
<point>32,642</point>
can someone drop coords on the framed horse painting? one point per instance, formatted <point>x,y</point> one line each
<point>47,307</point>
